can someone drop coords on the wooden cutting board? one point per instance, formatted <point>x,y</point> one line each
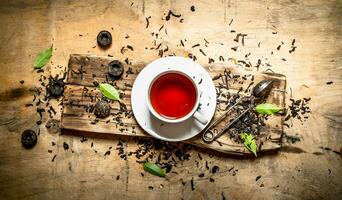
<point>80,95</point>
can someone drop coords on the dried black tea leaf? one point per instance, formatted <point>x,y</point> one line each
<point>65,146</point>
<point>147,21</point>
<point>170,13</point>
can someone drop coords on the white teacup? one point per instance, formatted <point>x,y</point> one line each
<point>193,113</point>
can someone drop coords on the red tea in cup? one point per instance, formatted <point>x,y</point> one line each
<point>173,95</point>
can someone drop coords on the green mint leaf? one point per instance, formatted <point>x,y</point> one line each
<point>249,142</point>
<point>43,58</point>
<point>253,148</point>
<point>267,108</point>
<point>243,136</point>
<point>109,91</point>
<point>154,169</point>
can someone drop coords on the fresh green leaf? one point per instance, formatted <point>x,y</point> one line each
<point>154,169</point>
<point>43,58</point>
<point>249,142</point>
<point>267,108</point>
<point>109,91</point>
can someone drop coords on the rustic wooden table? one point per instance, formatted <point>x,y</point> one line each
<point>303,170</point>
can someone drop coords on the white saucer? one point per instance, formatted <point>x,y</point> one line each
<point>178,131</point>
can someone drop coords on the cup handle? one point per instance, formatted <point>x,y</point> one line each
<point>198,117</point>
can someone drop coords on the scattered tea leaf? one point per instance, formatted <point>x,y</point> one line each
<point>154,169</point>
<point>43,58</point>
<point>249,142</point>
<point>267,108</point>
<point>109,91</point>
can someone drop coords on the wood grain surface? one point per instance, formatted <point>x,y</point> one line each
<point>307,169</point>
<point>80,94</point>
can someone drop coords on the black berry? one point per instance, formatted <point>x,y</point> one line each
<point>115,69</point>
<point>56,87</point>
<point>102,109</point>
<point>104,39</point>
<point>28,139</point>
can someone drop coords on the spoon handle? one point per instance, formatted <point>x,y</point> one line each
<point>210,136</point>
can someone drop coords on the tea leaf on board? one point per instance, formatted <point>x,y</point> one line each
<point>109,91</point>
<point>249,142</point>
<point>267,108</point>
<point>154,169</point>
<point>43,58</point>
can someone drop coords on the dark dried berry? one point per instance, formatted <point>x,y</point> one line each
<point>65,146</point>
<point>56,87</point>
<point>104,39</point>
<point>28,139</point>
<point>192,8</point>
<point>95,83</point>
<point>215,169</point>
<point>115,69</point>
<point>102,109</point>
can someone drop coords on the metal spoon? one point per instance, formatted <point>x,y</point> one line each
<point>263,88</point>
<point>210,136</point>
<point>260,90</point>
